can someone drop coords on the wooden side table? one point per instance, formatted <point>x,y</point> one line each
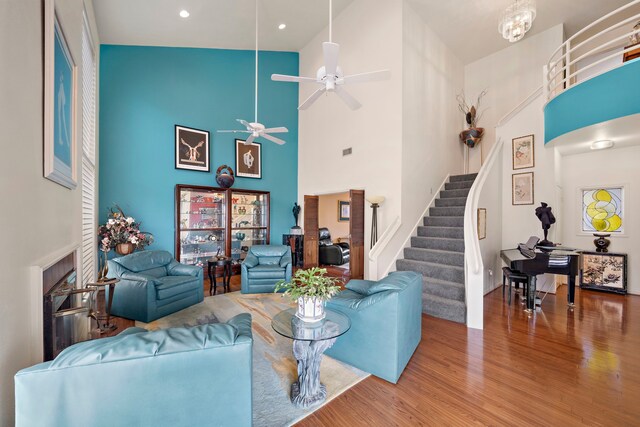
<point>224,263</point>
<point>104,321</point>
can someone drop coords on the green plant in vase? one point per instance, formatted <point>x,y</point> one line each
<point>310,289</point>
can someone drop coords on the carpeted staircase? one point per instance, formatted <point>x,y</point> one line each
<point>437,252</point>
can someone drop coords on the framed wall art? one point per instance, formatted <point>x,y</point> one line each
<point>523,152</point>
<point>522,188</point>
<point>248,159</point>
<point>604,271</point>
<point>482,223</point>
<point>60,102</point>
<point>344,210</point>
<point>602,210</point>
<point>192,149</point>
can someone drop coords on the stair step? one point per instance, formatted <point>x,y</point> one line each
<point>446,194</point>
<point>446,232</point>
<point>443,289</point>
<point>467,177</point>
<point>449,273</point>
<point>444,221</point>
<point>435,255</point>
<point>451,201</point>
<point>458,185</point>
<point>440,243</point>
<point>444,308</point>
<point>447,211</point>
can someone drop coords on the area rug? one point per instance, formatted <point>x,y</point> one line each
<point>274,367</point>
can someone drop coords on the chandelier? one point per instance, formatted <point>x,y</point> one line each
<point>516,20</point>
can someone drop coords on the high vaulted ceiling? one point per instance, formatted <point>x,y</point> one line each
<point>228,24</point>
<point>470,27</point>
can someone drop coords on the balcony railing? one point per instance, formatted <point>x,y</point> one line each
<point>594,50</point>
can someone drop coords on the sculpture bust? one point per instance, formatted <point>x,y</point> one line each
<point>544,214</point>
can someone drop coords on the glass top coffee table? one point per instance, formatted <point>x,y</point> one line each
<point>310,341</point>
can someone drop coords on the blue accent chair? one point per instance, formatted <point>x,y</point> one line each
<point>263,267</point>
<point>386,323</point>
<point>153,285</point>
<point>197,376</point>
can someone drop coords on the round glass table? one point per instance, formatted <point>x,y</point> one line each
<point>310,341</point>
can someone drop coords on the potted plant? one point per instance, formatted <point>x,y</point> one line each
<point>310,289</point>
<point>473,135</point>
<point>122,233</point>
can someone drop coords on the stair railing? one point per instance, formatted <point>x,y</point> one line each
<point>380,245</point>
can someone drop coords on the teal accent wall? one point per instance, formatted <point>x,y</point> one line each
<point>605,97</point>
<point>146,91</point>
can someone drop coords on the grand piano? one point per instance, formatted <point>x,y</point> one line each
<point>555,262</point>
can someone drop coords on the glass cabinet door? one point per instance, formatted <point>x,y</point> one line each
<point>202,225</point>
<point>249,222</point>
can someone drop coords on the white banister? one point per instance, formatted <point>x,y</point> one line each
<point>558,74</point>
<point>380,245</point>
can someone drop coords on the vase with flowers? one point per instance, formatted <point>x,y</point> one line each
<point>473,135</point>
<point>310,289</point>
<point>122,233</point>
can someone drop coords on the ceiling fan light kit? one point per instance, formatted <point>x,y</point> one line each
<point>517,19</point>
<point>256,129</point>
<point>330,76</point>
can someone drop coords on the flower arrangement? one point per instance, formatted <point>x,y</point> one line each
<point>121,228</point>
<point>472,135</point>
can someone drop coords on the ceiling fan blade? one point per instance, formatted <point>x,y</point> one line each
<point>310,100</point>
<point>273,139</point>
<point>276,130</point>
<point>233,131</point>
<point>348,99</point>
<point>330,51</point>
<point>245,123</point>
<point>249,140</point>
<point>366,77</point>
<point>294,79</point>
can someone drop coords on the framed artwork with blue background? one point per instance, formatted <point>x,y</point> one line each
<point>60,86</point>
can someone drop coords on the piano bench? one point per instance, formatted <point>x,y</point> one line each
<point>513,276</point>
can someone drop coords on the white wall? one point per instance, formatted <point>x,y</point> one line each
<point>38,216</point>
<point>509,75</point>
<point>370,37</point>
<point>432,76</point>
<point>520,222</point>
<point>580,171</point>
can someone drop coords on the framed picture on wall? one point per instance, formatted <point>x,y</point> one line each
<point>248,159</point>
<point>602,210</point>
<point>604,271</point>
<point>344,210</point>
<point>522,188</point>
<point>482,223</point>
<point>192,149</point>
<point>60,102</point>
<point>523,152</point>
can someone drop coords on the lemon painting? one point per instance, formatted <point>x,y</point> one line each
<point>602,210</point>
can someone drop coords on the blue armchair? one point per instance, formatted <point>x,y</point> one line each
<point>139,378</point>
<point>263,267</point>
<point>152,285</point>
<point>386,323</point>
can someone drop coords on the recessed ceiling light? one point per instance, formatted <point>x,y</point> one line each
<point>184,14</point>
<point>282,26</point>
<point>601,145</point>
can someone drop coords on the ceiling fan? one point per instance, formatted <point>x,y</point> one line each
<point>330,76</point>
<point>256,129</point>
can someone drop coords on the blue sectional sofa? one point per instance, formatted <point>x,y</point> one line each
<point>263,267</point>
<point>198,376</point>
<point>153,285</point>
<point>386,323</point>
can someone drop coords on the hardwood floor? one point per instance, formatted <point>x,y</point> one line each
<point>558,367</point>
